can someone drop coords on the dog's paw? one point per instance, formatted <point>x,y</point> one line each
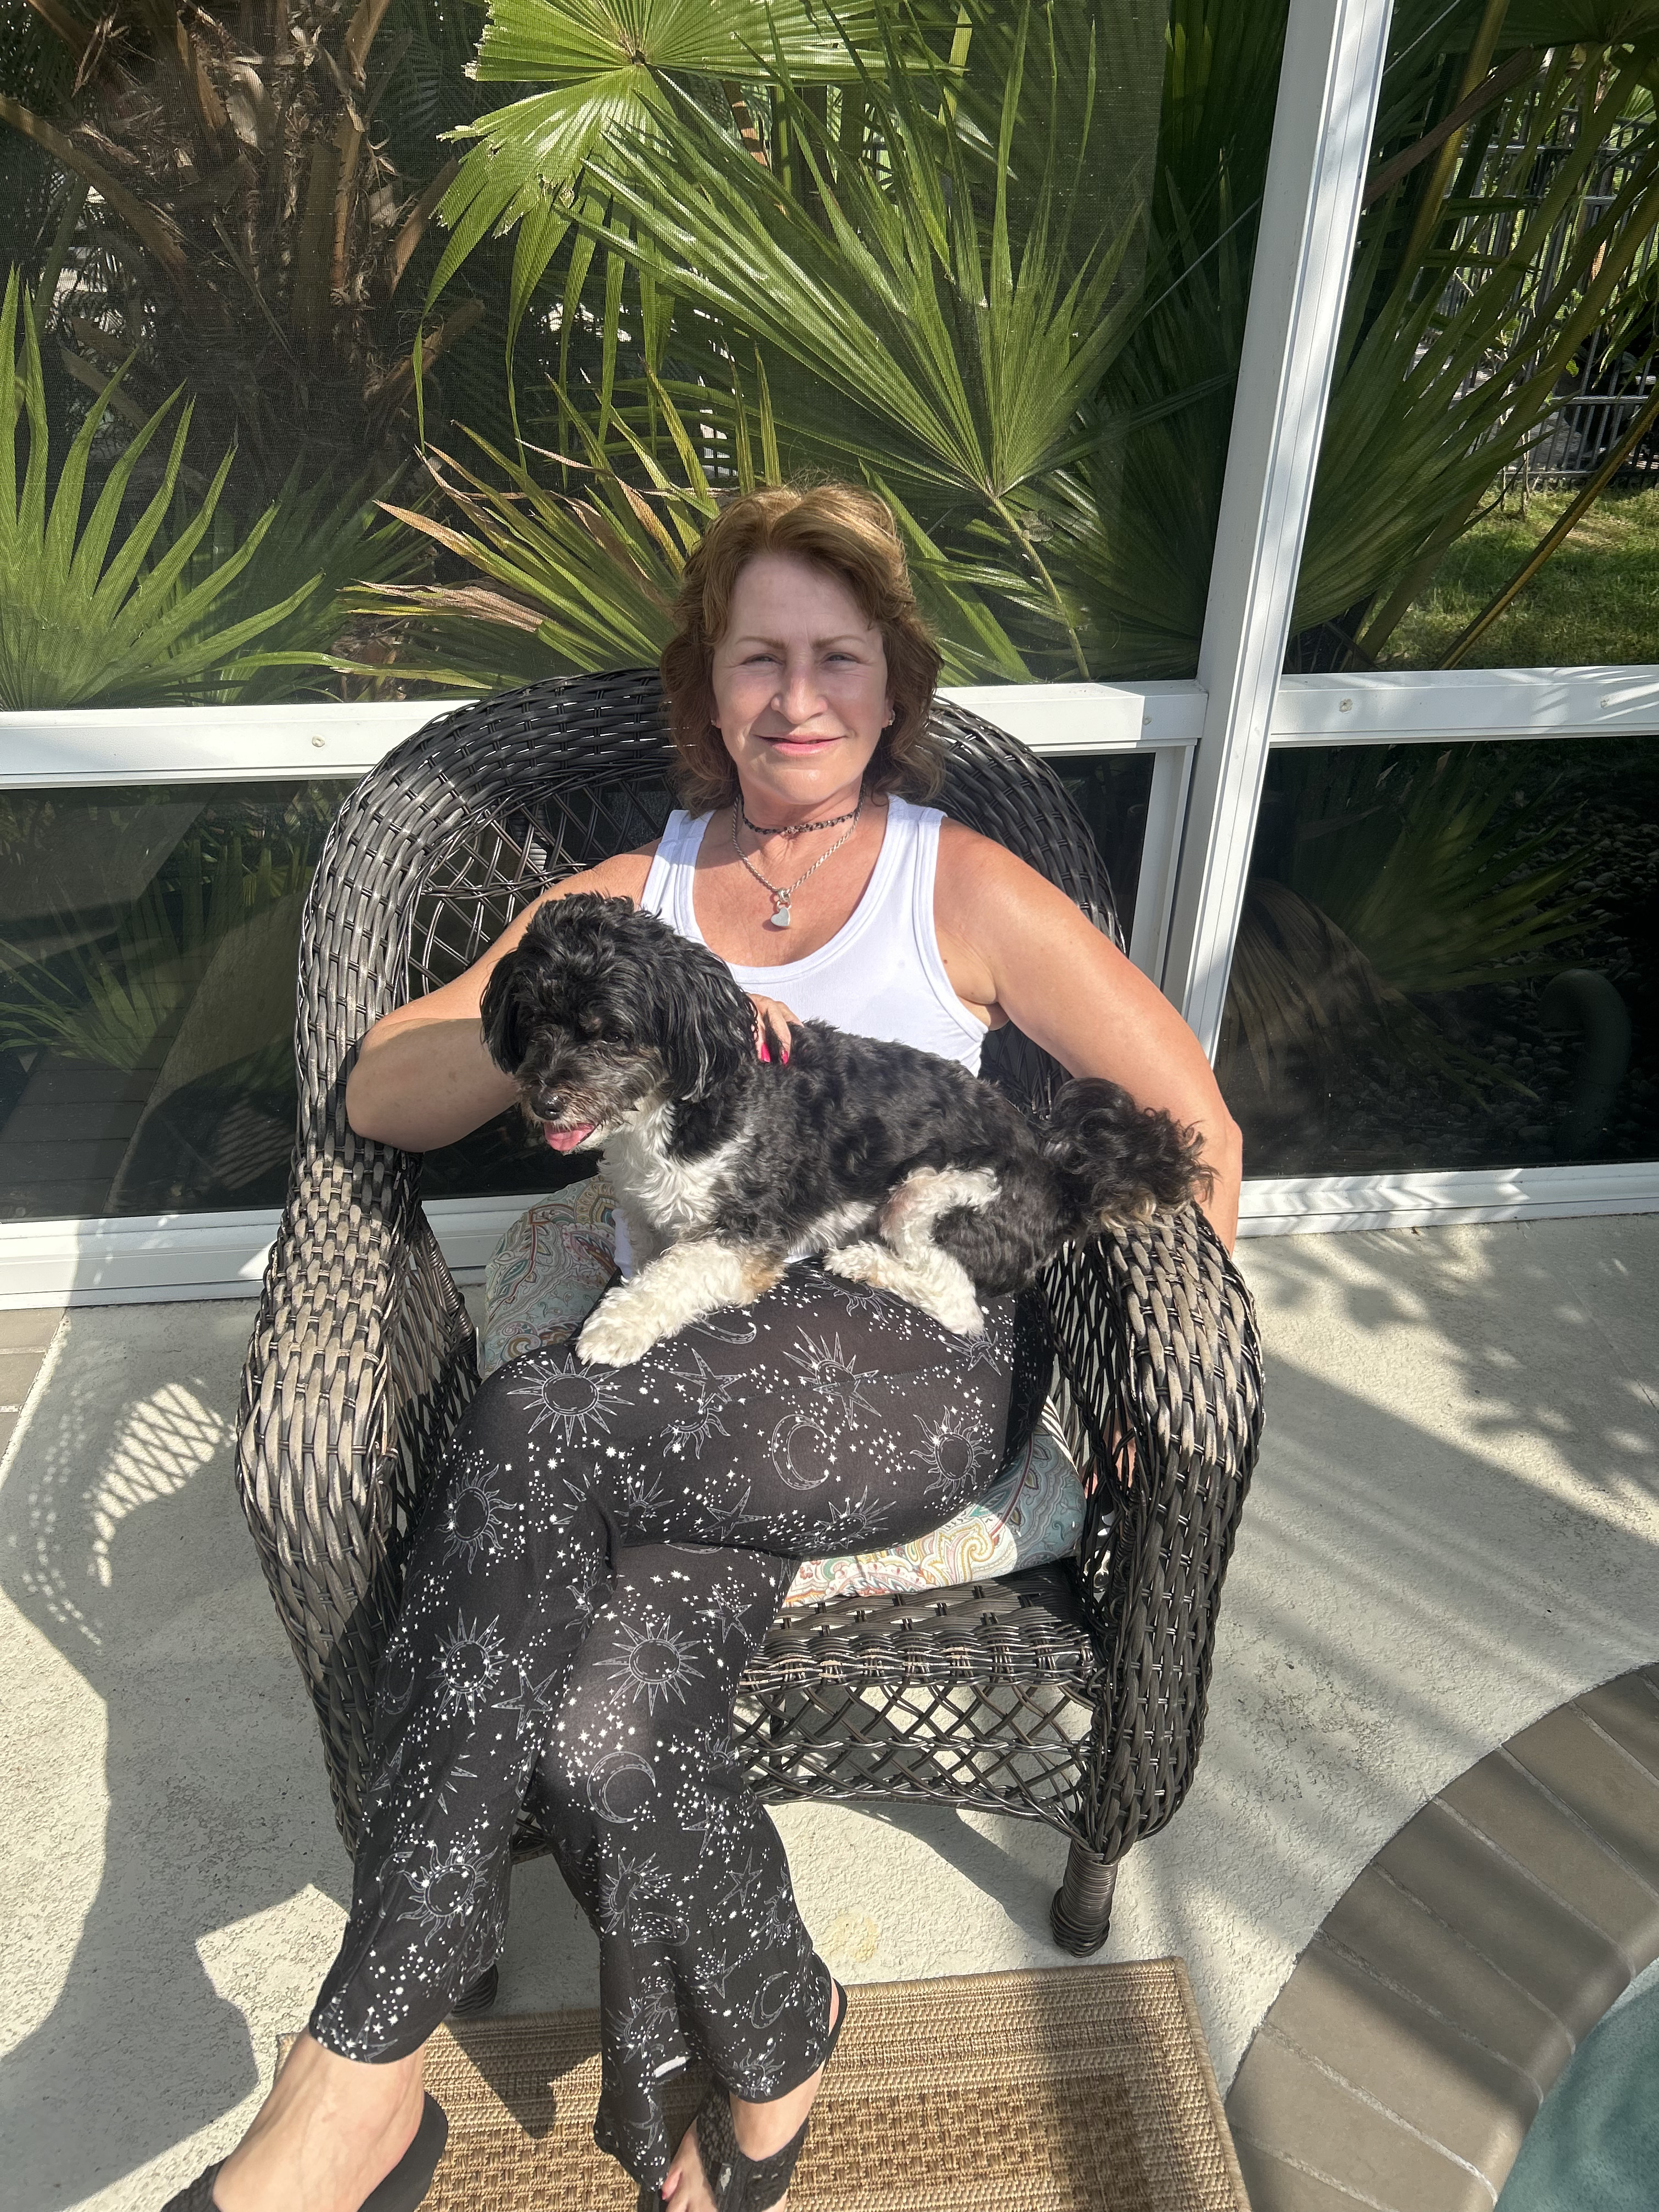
<point>960,1314</point>
<point>616,1334</point>
<point>859,1263</point>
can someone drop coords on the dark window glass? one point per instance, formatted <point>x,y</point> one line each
<point>149,940</point>
<point>1447,959</point>
<point>1111,794</point>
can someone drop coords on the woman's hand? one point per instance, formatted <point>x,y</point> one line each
<point>773,1022</point>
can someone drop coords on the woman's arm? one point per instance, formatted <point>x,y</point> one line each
<point>422,1077</point>
<point>1015,945</point>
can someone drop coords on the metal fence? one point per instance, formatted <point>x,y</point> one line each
<point>1618,366</point>
<point>1589,421</point>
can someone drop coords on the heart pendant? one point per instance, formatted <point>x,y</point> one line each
<point>780,917</point>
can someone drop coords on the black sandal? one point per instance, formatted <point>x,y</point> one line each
<point>737,2182</point>
<point>403,2188</point>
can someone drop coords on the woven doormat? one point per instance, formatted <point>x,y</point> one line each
<point>1085,2089</point>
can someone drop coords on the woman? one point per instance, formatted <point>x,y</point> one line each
<point>604,1549</point>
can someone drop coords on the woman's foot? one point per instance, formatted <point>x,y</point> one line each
<point>329,2131</point>
<point>761,2130</point>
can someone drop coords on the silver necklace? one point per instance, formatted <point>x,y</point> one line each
<point>781,896</point>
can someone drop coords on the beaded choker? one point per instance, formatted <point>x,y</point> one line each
<point>800,829</point>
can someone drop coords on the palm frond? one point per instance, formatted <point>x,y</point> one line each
<point>609,71</point>
<point>904,321</point>
<point>319,548</point>
<point>573,581</point>
<point>1451,355</point>
<point>92,609</point>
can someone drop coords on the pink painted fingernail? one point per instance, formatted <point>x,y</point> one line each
<point>786,1056</point>
<point>763,1052</point>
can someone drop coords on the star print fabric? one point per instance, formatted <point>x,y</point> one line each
<point>601,1554</point>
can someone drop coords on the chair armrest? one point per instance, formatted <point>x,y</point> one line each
<point>361,1360</point>
<point>1159,1368</point>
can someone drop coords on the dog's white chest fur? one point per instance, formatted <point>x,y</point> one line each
<point>671,1196</point>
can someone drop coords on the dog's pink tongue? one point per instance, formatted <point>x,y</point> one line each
<point>566,1140</point>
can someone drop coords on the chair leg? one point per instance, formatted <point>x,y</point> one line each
<point>1081,1914</point>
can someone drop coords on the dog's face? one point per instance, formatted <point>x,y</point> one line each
<point>601,1012</point>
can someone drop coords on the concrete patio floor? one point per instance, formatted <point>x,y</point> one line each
<point>1455,1528</point>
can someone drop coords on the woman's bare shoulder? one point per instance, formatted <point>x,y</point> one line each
<point>970,865</point>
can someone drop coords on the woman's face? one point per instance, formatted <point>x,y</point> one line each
<point>799,682</point>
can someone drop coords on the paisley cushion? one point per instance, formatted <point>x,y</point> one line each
<point>1032,1513</point>
<point>550,1270</point>
<point>549,1273</point>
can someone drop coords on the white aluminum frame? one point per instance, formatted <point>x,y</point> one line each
<point>1209,739</point>
<point>1453,706</point>
<point>1314,1206</point>
<point>145,1259</point>
<point>1329,81</point>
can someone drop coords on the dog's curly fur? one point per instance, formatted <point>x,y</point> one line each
<point>896,1166</point>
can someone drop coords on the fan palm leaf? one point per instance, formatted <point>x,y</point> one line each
<point>609,65</point>
<point>968,352</point>
<point>903,321</point>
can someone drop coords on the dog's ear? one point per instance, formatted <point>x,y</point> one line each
<point>703,1022</point>
<point>501,1011</point>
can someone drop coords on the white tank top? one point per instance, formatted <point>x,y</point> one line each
<point>881,974</point>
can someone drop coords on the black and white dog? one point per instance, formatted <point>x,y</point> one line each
<point>896,1166</point>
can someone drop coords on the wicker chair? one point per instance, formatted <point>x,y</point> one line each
<point>1074,1694</point>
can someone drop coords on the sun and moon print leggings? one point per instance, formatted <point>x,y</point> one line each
<point>601,1553</point>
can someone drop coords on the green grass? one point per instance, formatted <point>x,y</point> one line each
<point>1597,599</point>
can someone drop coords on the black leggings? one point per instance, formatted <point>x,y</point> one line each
<point>601,1554</point>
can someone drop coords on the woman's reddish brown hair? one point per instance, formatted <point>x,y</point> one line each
<point>850,534</point>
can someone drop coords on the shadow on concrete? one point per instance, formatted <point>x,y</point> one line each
<point>1547,1325</point>
<point>122,1542</point>
<point>993,1867</point>
<point>1454,1527</point>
